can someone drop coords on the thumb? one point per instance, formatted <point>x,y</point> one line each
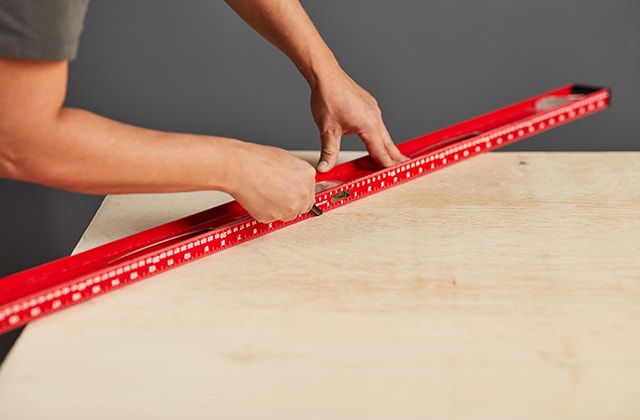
<point>330,150</point>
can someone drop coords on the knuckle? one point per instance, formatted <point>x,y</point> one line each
<point>328,151</point>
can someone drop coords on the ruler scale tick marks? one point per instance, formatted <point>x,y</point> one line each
<point>42,290</point>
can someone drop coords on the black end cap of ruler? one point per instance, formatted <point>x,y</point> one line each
<point>580,89</point>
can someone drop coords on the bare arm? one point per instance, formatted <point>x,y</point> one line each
<point>339,105</point>
<point>43,142</point>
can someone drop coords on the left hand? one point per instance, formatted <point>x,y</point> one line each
<point>341,107</point>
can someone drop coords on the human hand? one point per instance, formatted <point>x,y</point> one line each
<point>270,183</point>
<point>341,107</point>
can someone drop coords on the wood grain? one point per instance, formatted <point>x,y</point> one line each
<point>504,287</point>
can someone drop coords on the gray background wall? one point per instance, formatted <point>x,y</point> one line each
<point>192,65</point>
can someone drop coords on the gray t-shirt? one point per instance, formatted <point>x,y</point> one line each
<point>41,29</point>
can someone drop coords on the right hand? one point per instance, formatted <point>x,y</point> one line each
<point>272,184</point>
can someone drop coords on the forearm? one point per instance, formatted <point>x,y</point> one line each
<point>80,151</point>
<point>287,26</point>
<point>43,142</point>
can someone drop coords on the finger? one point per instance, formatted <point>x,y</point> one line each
<point>394,152</point>
<point>382,149</point>
<point>330,149</point>
<point>377,149</point>
<point>390,147</point>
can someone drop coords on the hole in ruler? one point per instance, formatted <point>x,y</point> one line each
<point>340,196</point>
<point>327,185</point>
<point>157,245</point>
<point>443,143</point>
<point>550,102</point>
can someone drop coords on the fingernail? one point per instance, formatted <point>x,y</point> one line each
<point>323,166</point>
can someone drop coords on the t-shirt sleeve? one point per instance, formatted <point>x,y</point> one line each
<point>41,29</point>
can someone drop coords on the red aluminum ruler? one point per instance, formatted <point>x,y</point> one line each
<point>42,290</point>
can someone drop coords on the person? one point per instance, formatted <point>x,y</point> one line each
<point>42,141</point>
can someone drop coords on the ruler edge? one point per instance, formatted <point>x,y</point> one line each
<point>23,303</point>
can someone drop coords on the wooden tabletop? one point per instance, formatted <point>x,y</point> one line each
<point>503,287</point>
